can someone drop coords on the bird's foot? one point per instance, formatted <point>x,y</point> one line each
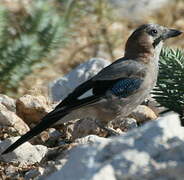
<point>110,131</point>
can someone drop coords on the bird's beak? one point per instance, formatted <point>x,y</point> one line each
<point>171,33</point>
<point>168,33</point>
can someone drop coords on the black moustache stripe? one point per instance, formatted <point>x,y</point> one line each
<point>156,41</point>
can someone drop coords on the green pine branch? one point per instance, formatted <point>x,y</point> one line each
<point>169,91</point>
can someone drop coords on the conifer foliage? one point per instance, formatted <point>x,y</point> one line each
<point>26,37</point>
<point>170,85</point>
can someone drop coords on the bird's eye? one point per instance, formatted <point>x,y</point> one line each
<point>154,32</point>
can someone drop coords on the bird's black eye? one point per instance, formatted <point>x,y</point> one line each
<point>153,32</point>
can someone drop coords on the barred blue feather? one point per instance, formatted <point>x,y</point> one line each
<point>124,87</point>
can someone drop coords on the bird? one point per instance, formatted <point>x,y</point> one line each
<point>118,88</point>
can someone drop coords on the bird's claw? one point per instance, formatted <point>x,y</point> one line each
<point>110,131</point>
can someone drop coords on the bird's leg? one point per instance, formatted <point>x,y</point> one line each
<point>110,131</point>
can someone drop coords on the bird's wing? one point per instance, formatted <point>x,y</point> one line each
<point>104,79</point>
<point>121,69</point>
<point>122,73</point>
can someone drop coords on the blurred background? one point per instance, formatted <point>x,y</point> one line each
<point>41,40</point>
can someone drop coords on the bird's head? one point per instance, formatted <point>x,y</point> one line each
<point>147,40</point>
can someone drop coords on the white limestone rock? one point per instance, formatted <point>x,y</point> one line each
<point>8,102</point>
<point>91,139</point>
<point>26,154</point>
<point>61,87</point>
<point>154,151</point>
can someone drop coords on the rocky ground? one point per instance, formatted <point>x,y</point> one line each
<point>153,150</point>
<point>149,146</point>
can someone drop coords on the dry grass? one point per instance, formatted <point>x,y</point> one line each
<point>97,33</point>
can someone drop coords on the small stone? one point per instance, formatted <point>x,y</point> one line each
<point>50,135</point>
<point>8,102</point>
<point>53,133</point>
<point>33,173</point>
<point>3,107</point>
<point>86,127</point>
<point>124,124</point>
<point>143,114</point>
<point>53,166</point>
<point>11,170</point>
<point>32,108</point>
<point>10,119</point>
<point>154,105</point>
<point>26,154</point>
<point>91,139</point>
<point>130,123</point>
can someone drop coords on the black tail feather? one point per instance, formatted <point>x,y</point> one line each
<point>50,119</point>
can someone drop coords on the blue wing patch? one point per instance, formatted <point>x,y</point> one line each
<point>124,87</point>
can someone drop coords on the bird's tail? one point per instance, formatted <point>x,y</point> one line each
<point>50,119</point>
<point>46,122</point>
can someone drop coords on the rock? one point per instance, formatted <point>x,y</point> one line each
<point>154,105</point>
<point>10,119</point>
<point>34,173</point>
<point>91,139</point>
<point>53,133</point>
<point>50,137</point>
<point>142,114</point>
<point>53,166</point>
<point>153,151</point>
<point>86,127</point>
<point>11,170</point>
<point>61,87</point>
<point>2,107</point>
<point>32,108</point>
<point>8,102</point>
<point>60,157</point>
<point>134,10</point>
<point>124,124</point>
<point>26,154</point>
